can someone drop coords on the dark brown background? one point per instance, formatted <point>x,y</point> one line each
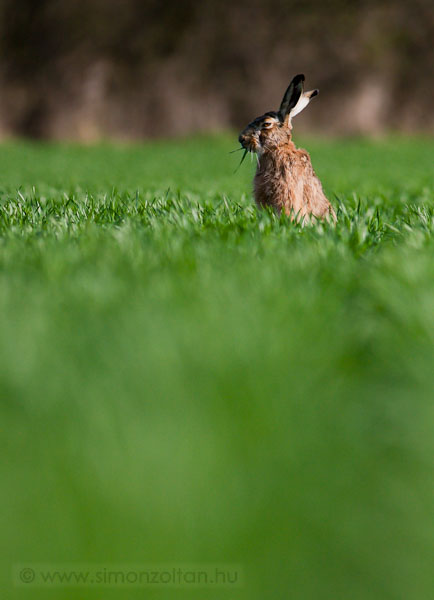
<point>90,69</point>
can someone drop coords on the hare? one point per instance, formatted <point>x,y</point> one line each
<point>285,178</point>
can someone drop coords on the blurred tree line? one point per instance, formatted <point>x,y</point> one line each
<point>87,69</point>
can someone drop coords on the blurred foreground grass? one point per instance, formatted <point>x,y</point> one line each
<point>184,380</point>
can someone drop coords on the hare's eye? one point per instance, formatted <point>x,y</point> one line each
<point>267,124</point>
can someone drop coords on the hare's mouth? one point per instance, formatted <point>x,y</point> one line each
<point>253,146</point>
<point>249,146</point>
<point>249,143</point>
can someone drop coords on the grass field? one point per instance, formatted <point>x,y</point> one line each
<point>186,381</point>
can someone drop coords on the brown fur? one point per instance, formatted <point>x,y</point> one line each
<point>285,179</point>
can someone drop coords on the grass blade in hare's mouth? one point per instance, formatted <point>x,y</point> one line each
<point>242,158</point>
<point>236,150</point>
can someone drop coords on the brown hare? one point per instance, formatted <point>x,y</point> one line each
<point>285,178</point>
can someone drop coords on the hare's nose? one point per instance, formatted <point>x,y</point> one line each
<point>242,139</point>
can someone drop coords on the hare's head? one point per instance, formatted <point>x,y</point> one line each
<point>273,129</point>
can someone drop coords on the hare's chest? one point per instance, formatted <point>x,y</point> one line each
<point>271,187</point>
<point>281,184</point>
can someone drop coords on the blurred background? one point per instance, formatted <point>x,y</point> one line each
<point>131,69</point>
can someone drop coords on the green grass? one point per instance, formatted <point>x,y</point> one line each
<point>184,380</point>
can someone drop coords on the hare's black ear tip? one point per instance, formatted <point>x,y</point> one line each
<point>299,78</point>
<point>314,93</point>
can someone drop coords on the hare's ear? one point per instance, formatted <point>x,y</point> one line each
<point>291,97</point>
<point>303,102</point>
